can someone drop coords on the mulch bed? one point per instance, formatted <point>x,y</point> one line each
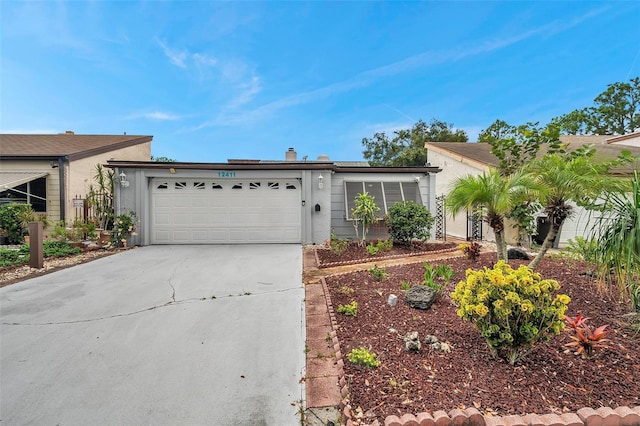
<point>357,253</point>
<point>549,379</point>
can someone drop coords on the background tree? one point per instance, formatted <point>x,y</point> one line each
<point>495,194</point>
<point>616,111</point>
<point>406,148</point>
<point>162,159</point>
<point>515,146</point>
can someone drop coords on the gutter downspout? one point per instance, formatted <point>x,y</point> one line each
<point>63,191</point>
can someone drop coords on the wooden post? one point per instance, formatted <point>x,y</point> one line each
<point>36,254</point>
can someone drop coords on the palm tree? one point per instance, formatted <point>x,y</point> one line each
<point>495,194</point>
<point>563,182</point>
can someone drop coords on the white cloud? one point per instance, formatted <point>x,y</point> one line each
<point>176,57</point>
<point>183,58</point>
<point>368,77</point>
<point>155,115</point>
<point>248,91</point>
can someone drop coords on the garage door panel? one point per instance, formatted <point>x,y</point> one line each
<point>201,211</point>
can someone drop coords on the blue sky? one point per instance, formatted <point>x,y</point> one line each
<point>218,80</point>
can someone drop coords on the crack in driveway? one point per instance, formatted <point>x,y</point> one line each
<point>172,302</point>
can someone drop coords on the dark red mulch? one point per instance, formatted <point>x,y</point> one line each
<point>356,251</point>
<point>548,380</point>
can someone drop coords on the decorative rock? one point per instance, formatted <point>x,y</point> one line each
<point>412,341</point>
<point>430,338</point>
<point>516,253</point>
<point>393,300</point>
<point>420,297</point>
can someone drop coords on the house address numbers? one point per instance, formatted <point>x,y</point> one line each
<point>226,174</point>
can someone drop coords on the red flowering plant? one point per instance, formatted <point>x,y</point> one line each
<point>585,340</point>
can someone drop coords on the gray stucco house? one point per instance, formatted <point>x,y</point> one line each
<point>259,201</point>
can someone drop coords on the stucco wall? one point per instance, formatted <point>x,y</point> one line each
<point>53,181</point>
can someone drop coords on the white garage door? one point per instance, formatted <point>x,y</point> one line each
<point>225,211</point>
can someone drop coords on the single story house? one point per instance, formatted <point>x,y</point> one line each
<point>49,171</point>
<point>458,159</point>
<point>258,201</point>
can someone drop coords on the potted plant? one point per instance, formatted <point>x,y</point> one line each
<point>27,216</point>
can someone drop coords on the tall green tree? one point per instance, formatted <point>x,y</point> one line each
<point>495,194</point>
<point>616,111</point>
<point>406,148</point>
<point>515,146</point>
<point>162,159</point>
<point>564,181</point>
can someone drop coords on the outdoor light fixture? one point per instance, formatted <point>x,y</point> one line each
<point>123,180</point>
<point>320,182</point>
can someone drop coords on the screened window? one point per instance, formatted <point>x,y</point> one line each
<point>385,194</point>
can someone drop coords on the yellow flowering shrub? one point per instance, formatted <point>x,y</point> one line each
<point>512,308</point>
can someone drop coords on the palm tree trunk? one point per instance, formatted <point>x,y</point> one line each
<point>501,245</point>
<point>546,245</point>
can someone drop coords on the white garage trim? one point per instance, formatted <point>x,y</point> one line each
<point>225,211</point>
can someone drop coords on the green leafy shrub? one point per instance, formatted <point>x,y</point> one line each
<point>50,248</point>
<point>408,221</point>
<point>12,221</point>
<point>378,273</point>
<point>512,308</point>
<point>583,249</point>
<point>57,248</point>
<point>12,257</point>
<point>362,356</point>
<point>337,245</point>
<point>380,246</point>
<point>350,309</point>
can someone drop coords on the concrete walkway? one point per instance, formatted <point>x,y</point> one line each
<point>160,335</point>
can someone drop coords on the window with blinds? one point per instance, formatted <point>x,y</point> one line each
<point>385,194</point>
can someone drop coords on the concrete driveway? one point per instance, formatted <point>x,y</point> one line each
<point>160,335</point>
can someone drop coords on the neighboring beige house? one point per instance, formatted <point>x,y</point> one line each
<point>632,139</point>
<point>49,171</point>
<point>458,159</point>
